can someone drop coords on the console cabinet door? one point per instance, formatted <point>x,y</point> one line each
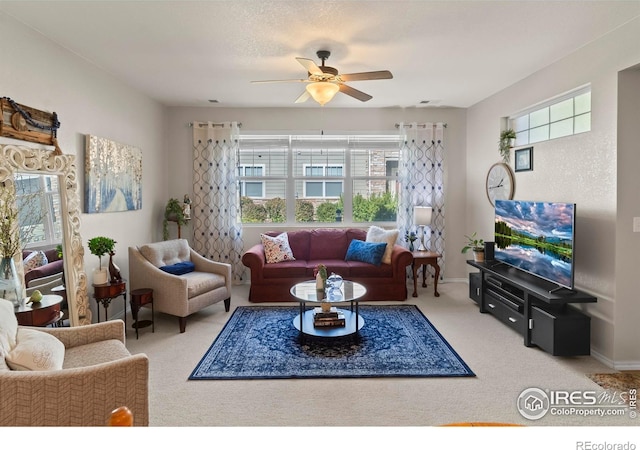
<point>562,333</point>
<point>475,282</point>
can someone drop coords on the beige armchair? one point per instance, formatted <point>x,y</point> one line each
<point>183,294</point>
<point>98,375</point>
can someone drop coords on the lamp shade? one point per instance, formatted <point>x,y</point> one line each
<point>422,215</point>
<point>322,91</point>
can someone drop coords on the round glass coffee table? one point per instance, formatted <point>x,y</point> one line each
<point>350,292</point>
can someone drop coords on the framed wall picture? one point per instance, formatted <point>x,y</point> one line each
<point>524,159</point>
<point>113,176</point>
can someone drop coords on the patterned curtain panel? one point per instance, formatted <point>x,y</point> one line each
<point>421,178</point>
<point>217,232</point>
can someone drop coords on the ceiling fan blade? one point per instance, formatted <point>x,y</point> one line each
<point>303,97</point>
<point>311,66</point>
<point>377,75</point>
<point>355,93</point>
<point>296,80</point>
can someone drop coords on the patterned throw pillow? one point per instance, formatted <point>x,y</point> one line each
<point>377,234</point>
<point>367,252</point>
<point>277,249</point>
<point>34,260</point>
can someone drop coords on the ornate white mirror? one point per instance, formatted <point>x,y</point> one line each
<point>16,160</point>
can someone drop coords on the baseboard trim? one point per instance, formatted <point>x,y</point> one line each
<point>616,365</point>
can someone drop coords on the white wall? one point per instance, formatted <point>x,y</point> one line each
<point>40,74</point>
<point>627,311</point>
<point>314,119</point>
<point>580,169</point>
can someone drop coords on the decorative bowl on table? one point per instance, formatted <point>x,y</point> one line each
<point>334,281</point>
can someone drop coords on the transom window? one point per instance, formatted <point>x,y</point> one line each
<point>563,116</point>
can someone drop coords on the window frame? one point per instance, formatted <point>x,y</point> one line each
<point>542,114</point>
<point>244,179</point>
<point>310,178</point>
<point>295,145</point>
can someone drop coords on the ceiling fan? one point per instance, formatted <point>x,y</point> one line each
<point>325,81</point>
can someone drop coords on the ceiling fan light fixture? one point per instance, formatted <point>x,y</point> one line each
<point>322,91</point>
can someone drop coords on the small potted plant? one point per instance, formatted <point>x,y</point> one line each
<point>506,141</point>
<point>476,245</point>
<point>101,246</point>
<point>173,212</point>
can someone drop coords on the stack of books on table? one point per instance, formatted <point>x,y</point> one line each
<point>331,318</point>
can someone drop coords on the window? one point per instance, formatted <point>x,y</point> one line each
<point>563,116</point>
<point>323,188</point>
<point>248,187</point>
<point>320,178</point>
<point>39,209</point>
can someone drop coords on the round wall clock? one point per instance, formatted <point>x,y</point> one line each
<point>500,183</point>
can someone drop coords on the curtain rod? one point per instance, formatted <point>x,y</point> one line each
<point>419,125</point>
<point>206,124</point>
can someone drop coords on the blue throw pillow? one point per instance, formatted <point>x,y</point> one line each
<point>368,252</point>
<point>179,268</point>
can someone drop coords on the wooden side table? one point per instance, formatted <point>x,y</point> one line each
<point>425,259</point>
<point>104,293</point>
<point>45,312</point>
<point>140,297</point>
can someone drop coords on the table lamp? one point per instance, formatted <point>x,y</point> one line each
<point>422,217</point>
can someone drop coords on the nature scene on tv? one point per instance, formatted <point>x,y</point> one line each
<point>536,237</point>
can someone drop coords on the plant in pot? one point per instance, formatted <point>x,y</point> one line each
<point>101,246</point>
<point>476,245</point>
<point>506,140</point>
<point>173,212</point>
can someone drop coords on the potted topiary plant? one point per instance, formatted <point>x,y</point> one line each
<point>173,212</point>
<point>476,245</point>
<point>101,246</point>
<point>506,141</point>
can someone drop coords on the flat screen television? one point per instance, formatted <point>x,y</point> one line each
<point>538,238</point>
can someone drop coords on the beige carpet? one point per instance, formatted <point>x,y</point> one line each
<point>504,367</point>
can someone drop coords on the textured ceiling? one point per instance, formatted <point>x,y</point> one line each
<point>451,53</point>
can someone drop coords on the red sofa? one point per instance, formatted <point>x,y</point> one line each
<point>272,282</point>
<point>54,266</point>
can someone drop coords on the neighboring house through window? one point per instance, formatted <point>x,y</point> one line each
<point>324,178</point>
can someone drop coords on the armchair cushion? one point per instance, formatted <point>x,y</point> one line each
<point>201,282</point>
<point>36,350</point>
<point>95,353</point>
<point>166,253</point>
<point>179,268</point>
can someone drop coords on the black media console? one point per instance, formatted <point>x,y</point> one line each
<point>533,307</point>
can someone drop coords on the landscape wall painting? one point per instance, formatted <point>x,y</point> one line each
<point>113,176</point>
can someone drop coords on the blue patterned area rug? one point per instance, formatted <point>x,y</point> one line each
<point>260,342</point>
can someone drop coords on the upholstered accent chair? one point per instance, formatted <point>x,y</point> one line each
<point>183,281</point>
<point>68,376</point>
